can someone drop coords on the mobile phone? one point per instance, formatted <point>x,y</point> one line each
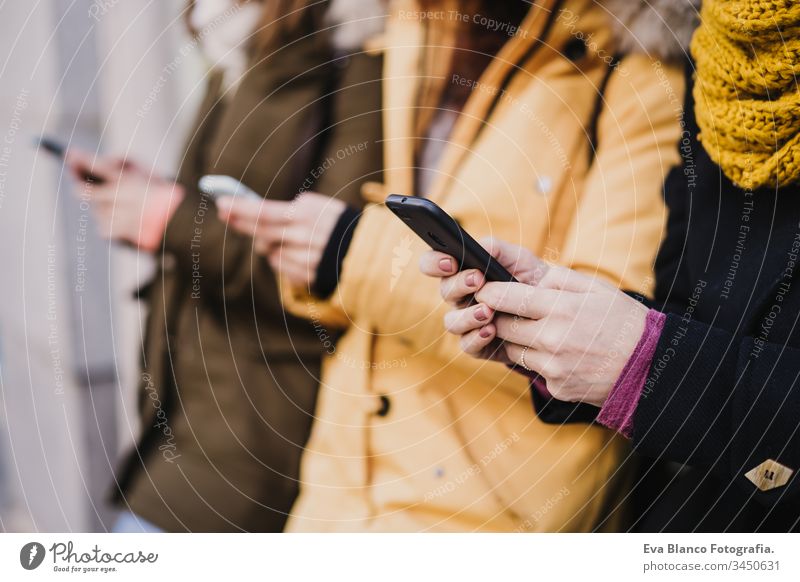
<point>443,233</point>
<point>217,186</point>
<point>59,150</point>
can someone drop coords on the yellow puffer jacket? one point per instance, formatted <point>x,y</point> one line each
<point>412,435</point>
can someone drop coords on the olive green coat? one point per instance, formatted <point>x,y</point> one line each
<point>230,381</point>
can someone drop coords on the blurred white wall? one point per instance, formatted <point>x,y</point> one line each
<point>69,329</point>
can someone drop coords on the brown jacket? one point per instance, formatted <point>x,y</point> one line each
<point>230,380</point>
<point>411,434</point>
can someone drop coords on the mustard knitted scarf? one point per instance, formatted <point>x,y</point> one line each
<point>747,92</point>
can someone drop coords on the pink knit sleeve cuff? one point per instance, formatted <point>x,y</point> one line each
<point>617,412</point>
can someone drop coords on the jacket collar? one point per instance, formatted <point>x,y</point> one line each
<point>491,85</point>
<point>655,27</point>
<point>405,92</point>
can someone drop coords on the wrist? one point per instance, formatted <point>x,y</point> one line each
<point>163,200</point>
<point>326,277</point>
<point>637,327</point>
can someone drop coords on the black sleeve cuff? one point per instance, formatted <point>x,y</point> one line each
<point>330,265</point>
<point>552,411</point>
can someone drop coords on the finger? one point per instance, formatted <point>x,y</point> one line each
<point>261,247</point>
<point>265,240</point>
<point>114,163</point>
<point>296,238</point>
<point>460,286</point>
<point>82,163</point>
<point>108,167</point>
<point>102,195</point>
<point>534,359</point>
<point>78,163</point>
<point>271,213</point>
<point>475,342</point>
<point>224,206</point>
<point>548,365</point>
<point>293,273</point>
<point>245,226</point>
<point>294,257</point>
<point>266,212</point>
<point>519,330</point>
<point>238,208</point>
<point>436,264</point>
<point>264,247</point>
<point>567,280</point>
<point>134,166</point>
<point>523,300</point>
<point>461,321</point>
<point>511,256</point>
<point>293,236</point>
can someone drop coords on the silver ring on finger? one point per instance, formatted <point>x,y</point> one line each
<point>522,359</point>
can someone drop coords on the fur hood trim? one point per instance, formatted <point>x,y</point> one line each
<point>659,28</point>
<point>355,22</point>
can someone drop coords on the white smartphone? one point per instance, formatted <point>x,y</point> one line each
<point>217,186</point>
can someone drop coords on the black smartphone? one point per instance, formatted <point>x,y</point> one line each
<point>59,150</point>
<point>443,233</point>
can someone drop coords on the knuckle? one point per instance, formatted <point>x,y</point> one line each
<point>565,307</point>
<point>549,280</point>
<point>572,303</point>
<point>508,324</point>
<point>540,271</point>
<point>548,342</point>
<point>552,276</point>
<point>526,302</point>
<point>553,387</point>
<point>487,294</point>
<point>461,282</point>
<point>554,372</point>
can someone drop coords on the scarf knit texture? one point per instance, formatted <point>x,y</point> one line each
<point>747,100</point>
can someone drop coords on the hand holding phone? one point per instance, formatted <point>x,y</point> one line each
<point>59,150</point>
<point>443,233</point>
